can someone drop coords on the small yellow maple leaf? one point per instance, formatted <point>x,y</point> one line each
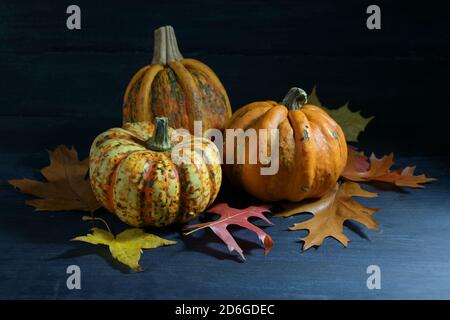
<point>330,212</point>
<point>127,246</point>
<point>352,123</point>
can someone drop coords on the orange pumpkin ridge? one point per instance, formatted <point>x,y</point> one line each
<point>312,149</point>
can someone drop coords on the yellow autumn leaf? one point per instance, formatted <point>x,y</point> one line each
<point>352,123</point>
<point>127,246</point>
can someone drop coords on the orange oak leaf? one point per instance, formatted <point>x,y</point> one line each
<point>66,188</point>
<point>361,168</point>
<point>330,212</point>
<point>239,217</point>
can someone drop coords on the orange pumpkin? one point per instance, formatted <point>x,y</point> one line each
<point>183,90</point>
<point>312,149</point>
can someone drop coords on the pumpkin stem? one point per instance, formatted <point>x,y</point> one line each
<point>160,140</point>
<point>165,47</point>
<point>295,98</point>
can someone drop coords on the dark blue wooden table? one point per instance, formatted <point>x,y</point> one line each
<point>411,248</point>
<point>65,87</point>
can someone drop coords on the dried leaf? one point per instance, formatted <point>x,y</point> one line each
<point>127,246</point>
<point>330,212</point>
<point>313,98</point>
<point>352,123</point>
<point>232,216</point>
<point>360,168</point>
<point>357,160</point>
<point>66,188</point>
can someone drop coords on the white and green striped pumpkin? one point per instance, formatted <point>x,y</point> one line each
<point>132,174</point>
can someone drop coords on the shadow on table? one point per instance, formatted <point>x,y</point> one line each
<point>385,186</point>
<point>60,227</point>
<point>205,241</point>
<point>358,229</point>
<point>84,249</point>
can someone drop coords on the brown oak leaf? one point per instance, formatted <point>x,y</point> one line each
<point>361,168</point>
<point>330,212</point>
<point>233,216</point>
<point>66,188</point>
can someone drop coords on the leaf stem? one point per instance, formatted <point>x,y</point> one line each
<point>88,218</point>
<point>194,230</point>
<point>213,223</point>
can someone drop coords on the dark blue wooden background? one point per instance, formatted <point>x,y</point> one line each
<point>60,86</point>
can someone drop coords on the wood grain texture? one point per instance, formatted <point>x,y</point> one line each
<point>393,73</point>
<point>91,85</point>
<point>327,28</point>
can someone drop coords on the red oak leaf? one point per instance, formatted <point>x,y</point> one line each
<point>359,168</point>
<point>357,160</point>
<point>239,217</point>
